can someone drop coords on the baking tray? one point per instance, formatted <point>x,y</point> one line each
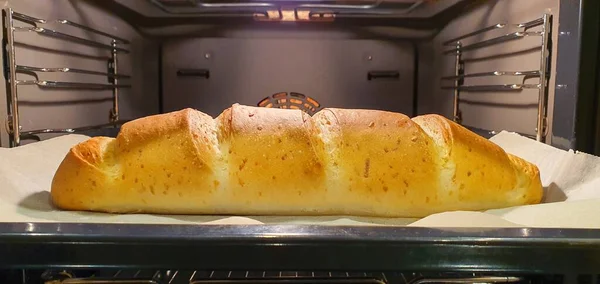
<point>298,247</point>
<point>293,247</point>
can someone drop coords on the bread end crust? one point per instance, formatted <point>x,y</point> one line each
<point>81,168</point>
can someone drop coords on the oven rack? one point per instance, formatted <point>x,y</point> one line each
<point>30,24</point>
<point>174,276</point>
<point>314,9</point>
<point>545,49</point>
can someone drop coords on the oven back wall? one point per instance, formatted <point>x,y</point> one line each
<point>246,69</point>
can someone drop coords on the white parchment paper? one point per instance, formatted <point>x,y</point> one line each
<point>571,181</point>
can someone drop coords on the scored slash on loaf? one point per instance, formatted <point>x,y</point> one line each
<point>263,161</point>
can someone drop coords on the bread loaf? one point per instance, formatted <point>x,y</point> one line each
<point>263,161</point>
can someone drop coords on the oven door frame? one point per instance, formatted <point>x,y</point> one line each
<point>299,247</point>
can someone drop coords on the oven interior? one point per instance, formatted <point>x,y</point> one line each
<point>490,65</point>
<point>86,67</point>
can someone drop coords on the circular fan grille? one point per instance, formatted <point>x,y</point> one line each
<point>291,100</point>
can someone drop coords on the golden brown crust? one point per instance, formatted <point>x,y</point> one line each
<point>80,175</point>
<point>271,162</point>
<point>155,165</point>
<point>91,151</point>
<point>483,174</point>
<point>529,180</point>
<point>253,160</point>
<point>382,163</point>
<point>199,127</point>
<point>139,132</point>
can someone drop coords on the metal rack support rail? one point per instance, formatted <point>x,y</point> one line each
<point>458,72</point>
<point>114,112</point>
<point>533,73</point>
<point>33,21</point>
<point>33,71</point>
<point>71,130</point>
<point>542,124</point>
<point>13,126</point>
<point>545,52</point>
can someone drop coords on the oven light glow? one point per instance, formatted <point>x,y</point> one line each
<point>292,15</point>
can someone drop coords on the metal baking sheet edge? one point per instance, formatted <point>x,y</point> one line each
<point>298,247</point>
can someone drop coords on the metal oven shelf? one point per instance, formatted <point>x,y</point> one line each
<point>12,82</point>
<point>545,22</point>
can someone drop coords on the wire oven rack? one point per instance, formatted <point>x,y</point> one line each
<point>134,276</point>
<point>36,25</point>
<point>545,49</point>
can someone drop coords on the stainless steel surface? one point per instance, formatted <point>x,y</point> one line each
<point>13,105</point>
<point>496,40</point>
<point>542,101</point>
<point>316,233</point>
<point>543,74</point>
<point>527,25</point>
<point>34,21</point>
<point>299,248</point>
<point>72,130</point>
<point>568,64</point>
<point>12,82</point>
<point>63,36</point>
<point>492,88</point>
<point>453,41</point>
<point>69,85</point>
<point>458,71</point>
<point>30,69</point>
<point>534,23</point>
<point>494,73</point>
<point>114,112</point>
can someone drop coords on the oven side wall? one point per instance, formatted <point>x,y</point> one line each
<point>52,108</point>
<point>513,111</point>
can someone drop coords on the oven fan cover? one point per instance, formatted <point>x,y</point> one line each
<point>291,100</point>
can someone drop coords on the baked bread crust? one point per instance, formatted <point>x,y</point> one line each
<point>262,161</point>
